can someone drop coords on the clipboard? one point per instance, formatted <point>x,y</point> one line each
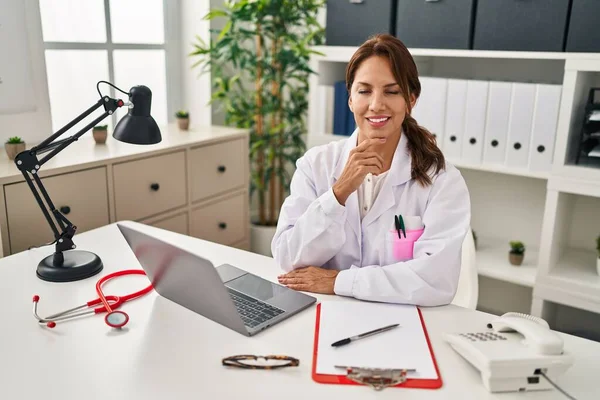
<point>376,378</point>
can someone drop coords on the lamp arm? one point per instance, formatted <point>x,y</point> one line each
<point>27,162</point>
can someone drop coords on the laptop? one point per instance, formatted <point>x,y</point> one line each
<point>227,295</point>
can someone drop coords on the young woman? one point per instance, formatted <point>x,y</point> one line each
<point>380,216</point>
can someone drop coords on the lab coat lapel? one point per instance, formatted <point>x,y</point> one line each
<point>399,173</point>
<point>352,201</point>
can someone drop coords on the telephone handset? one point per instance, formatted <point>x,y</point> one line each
<point>515,351</point>
<point>536,331</point>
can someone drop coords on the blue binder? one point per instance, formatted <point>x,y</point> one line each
<point>343,118</point>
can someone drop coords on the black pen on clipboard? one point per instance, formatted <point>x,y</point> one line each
<point>363,335</point>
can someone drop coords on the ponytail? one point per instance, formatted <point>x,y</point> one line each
<point>425,154</point>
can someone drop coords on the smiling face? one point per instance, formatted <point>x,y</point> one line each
<point>377,101</point>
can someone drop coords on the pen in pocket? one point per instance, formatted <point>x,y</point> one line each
<point>399,222</point>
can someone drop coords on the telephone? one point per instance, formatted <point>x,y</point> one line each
<point>515,354</point>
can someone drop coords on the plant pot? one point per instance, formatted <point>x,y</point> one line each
<point>12,149</point>
<point>183,123</point>
<point>261,238</point>
<point>100,135</point>
<point>516,259</point>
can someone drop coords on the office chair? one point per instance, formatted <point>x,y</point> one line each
<point>468,283</point>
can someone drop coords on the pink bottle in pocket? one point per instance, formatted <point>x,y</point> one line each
<point>403,247</point>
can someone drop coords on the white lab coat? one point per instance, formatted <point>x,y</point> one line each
<point>314,229</point>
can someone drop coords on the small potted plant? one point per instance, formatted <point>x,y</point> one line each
<point>598,258</point>
<point>14,146</point>
<point>100,133</point>
<point>183,119</point>
<point>517,252</point>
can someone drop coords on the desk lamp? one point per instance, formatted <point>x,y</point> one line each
<point>137,127</point>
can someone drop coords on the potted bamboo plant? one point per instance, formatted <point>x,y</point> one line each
<point>183,119</point>
<point>260,71</point>
<point>516,253</point>
<point>14,146</point>
<point>100,133</point>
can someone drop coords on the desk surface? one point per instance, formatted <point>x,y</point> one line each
<point>169,352</point>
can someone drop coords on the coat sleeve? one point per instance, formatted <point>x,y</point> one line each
<point>431,277</point>
<point>310,228</point>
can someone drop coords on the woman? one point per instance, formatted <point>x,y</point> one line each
<point>337,231</point>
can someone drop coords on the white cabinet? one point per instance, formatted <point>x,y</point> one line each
<point>177,185</point>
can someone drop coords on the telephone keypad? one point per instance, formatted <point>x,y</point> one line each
<point>482,336</point>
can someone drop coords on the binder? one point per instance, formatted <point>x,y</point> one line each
<point>376,378</point>
<point>496,128</point>
<point>430,110</point>
<point>455,118</point>
<point>519,126</point>
<point>476,107</point>
<point>343,118</point>
<point>543,132</point>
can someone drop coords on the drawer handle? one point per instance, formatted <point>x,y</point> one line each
<point>473,140</point>
<point>494,143</point>
<point>541,149</point>
<point>453,138</point>
<point>517,146</point>
<point>155,186</point>
<point>221,168</point>
<point>222,225</point>
<point>65,209</point>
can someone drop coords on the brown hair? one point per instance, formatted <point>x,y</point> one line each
<point>424,151</point>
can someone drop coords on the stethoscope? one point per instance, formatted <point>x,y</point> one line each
<point>114,319</point>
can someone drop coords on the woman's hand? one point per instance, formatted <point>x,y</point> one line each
<point>362,160</point>
<point>310,279</point>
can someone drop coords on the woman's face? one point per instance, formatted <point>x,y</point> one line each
<point>376,100</point>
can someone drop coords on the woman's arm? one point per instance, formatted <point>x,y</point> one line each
<point>431,278</point>
<point>310,229</point>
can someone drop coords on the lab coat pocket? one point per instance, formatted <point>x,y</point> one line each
<point>403,247</point>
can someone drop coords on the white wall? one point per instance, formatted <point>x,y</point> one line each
<point>36,125</point>
<point>195,89</point>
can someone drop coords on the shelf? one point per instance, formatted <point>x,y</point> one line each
<point>589,186</point>
<point>492,262</point>
<point>500,169</point>
<point>574,281</point>
<point>317,140</point>
<point>344,53</point>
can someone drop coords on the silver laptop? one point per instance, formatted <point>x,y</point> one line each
<point>227,295</point>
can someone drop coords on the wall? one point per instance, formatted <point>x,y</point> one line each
<point>36,125</point>
<point>196,88</point>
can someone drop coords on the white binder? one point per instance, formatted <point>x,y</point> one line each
<point>455,118</point>
<point>545,121</point>
<point>430,110</point>
<point>496,127</point>
<point>476,107</point>
<point>520,123</point>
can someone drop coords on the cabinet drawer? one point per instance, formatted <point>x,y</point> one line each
<point>149,186</point>
<point>217,168</point>
<point>177,223</point>
<point>222,222</point>
<point>81,196</point>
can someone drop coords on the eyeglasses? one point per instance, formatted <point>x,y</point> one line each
<point>253,362</point>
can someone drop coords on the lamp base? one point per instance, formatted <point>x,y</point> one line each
<point>77,265</point>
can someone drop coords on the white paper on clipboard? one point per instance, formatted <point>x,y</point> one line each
<point>402,347</point>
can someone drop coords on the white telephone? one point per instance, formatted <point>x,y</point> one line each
<point>514,353</point>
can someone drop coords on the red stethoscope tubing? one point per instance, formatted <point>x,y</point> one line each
<point>121,299</point>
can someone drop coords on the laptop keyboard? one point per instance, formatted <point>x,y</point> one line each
<point>253,312</point>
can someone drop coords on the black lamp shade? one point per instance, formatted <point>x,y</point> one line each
<point>138,126</point>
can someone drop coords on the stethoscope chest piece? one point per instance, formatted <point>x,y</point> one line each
<point>116,319</point>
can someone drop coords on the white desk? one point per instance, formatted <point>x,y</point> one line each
<point>168,352</point>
